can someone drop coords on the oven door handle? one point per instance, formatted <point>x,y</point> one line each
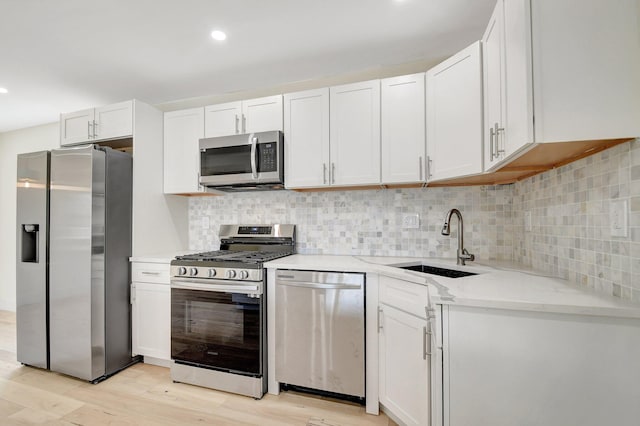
<point>253,140</point>
<point>209,286</point>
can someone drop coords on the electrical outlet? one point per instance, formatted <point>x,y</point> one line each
<point>205,222</point>
<point>411,221</point>
<point>618,218</point>
<point>527,221</point>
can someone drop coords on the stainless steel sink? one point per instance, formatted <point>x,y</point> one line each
<point>443,272</point>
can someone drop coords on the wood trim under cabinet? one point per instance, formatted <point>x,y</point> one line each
<point>540,158</point>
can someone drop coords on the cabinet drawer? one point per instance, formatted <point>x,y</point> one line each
<point>404,295</point>
<point>150,272</point>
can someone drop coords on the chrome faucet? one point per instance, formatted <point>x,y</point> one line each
<point>462,253</point>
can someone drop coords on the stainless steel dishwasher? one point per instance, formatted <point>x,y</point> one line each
<point>320,331</point>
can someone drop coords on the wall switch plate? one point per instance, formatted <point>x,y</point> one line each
<point>411,221</point>
<point>205,222</point>
<point>527,221</point>
<point>619,218</point>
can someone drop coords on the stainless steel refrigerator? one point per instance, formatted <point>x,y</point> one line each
<point>73,247</point>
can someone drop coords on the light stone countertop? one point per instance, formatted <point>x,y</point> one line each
<point>500,285</point>
<point>159,257</point>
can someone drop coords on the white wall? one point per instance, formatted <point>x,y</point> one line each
<point>32,139</point>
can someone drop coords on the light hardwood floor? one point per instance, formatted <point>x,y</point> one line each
<point>144,394</point>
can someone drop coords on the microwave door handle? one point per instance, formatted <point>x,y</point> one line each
<point>253,140</point>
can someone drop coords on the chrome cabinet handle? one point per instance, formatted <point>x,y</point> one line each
<point>237,122</point>
<point>324,173</point>
<point>95,129</point>
<point>254,141</point>
<point>380,313</point>
<point>333,172</point>
<point>496,132</point>
<point>244,124</point>
<point>491,143</point>
<point>429,166</point>
<point>132,297</point>
<point>425,354</point>
<point>88,129</point>
<point>420,166</point>
<point>150,273</point>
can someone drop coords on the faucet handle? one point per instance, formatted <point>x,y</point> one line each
<point>467,256</point>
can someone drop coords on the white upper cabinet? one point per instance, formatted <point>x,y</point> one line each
<point>182,132</point>
<point>403,129</point>
<point>553,75</point>
<point>306,130</point>
<point>114,121</point>
<point>223,119</point>
<point>454,115</point>
<point>76,127</point>
<point>262,114</point>
<point>250,116</point>
<point>355,133</point>
<point>108,122</point>
<point>494,85</point>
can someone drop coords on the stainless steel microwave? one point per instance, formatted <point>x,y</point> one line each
<point>246,162</point>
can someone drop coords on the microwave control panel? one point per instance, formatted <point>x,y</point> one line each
<point>268,157</point>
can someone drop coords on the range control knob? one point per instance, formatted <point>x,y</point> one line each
<point>244,275</point>
<point>212,273</point>
<point>231,273</point>
<point>193,272</point>
<point>182,270</point>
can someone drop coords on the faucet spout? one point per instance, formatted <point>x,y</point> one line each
<point>462,253</point>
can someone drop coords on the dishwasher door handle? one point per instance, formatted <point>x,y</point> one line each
<point>321,286</point>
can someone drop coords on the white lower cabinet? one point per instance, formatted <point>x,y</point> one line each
<point>404,355</point>
<point>404,366</point>
<point>151,312</point>
<point>506,367</point>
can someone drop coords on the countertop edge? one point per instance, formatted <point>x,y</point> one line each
<point>447,286</point>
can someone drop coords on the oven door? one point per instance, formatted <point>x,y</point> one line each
<point>217,330</point>
<point>242,159</point>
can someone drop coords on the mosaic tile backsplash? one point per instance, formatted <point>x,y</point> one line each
<point>570,233</point>
<point>367,222</point>
<point>569,208</point>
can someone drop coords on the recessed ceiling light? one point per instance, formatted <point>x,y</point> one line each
<point>3,90</point>
<point>218,35</point>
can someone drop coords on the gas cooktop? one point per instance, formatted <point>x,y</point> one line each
<point>243,250</point>
<point>231,255</point>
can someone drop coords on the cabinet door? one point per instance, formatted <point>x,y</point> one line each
<point>223,119</point>
<point>454,111</point>
<point>518,129</point>
<point>586,82</point>
<point>404,365</point>
<point>114,121</point>
<point>494,102</point>
<point>355,133</point>
<point>403,129</point>
<point>262,114</point>
<point>151,320</point>
<point>76,127</point>
<point>306,132</point>
<point>182,131</point>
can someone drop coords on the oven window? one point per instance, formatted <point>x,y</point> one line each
<point>216,330</point>
<point>233,160</point>
<point>226,161</point>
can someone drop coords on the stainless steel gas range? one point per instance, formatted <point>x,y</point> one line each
<point>218,309</point>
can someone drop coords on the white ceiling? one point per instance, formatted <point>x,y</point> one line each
<point>65,55</point>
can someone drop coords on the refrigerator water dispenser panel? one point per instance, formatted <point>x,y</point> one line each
<point>29,243</point>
